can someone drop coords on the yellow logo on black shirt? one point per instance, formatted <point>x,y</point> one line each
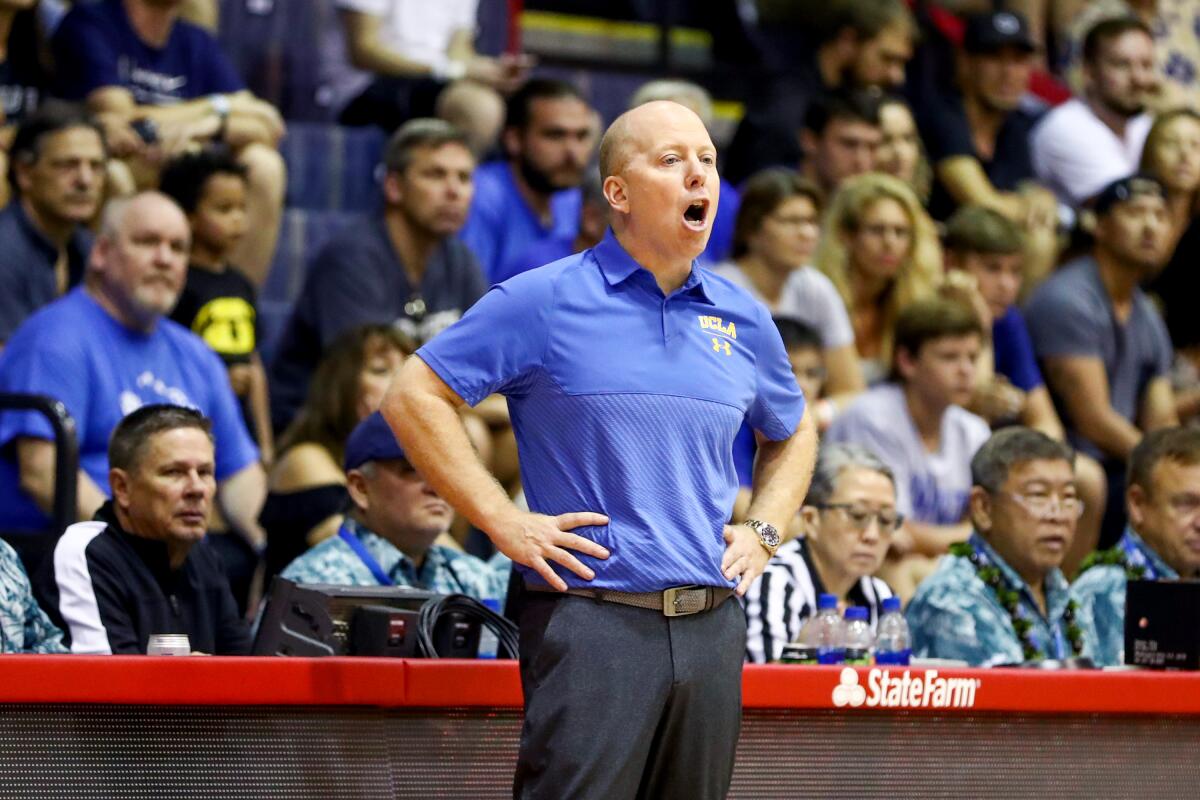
<point>226,324</point>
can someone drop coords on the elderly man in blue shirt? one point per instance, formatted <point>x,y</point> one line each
<point>1000,597</point>
<point>1161,542</point>
<point>388,537</point>
<point>628,372</point>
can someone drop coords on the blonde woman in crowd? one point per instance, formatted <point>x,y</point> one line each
<point>881,251</point>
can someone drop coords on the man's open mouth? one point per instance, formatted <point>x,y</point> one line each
<point>696,215</point>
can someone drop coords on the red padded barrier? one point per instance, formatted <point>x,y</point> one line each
<point>392,683</point>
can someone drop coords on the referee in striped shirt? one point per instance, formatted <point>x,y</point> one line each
<point>849,519</point>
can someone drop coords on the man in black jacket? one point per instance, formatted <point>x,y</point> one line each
<point>142,566</point>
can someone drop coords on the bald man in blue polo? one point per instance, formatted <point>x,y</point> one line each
<point>628,371</point>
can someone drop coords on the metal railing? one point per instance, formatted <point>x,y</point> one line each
<point>66,452</point>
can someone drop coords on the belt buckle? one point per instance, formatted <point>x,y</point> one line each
<point>673,600</point>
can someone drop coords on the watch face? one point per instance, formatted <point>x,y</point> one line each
<point>769,535</point>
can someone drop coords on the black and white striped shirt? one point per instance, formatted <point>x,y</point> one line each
<point>786,595</point>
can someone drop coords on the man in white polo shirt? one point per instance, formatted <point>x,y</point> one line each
<point>1087,143</point>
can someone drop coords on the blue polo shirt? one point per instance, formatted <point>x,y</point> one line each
<point>626,403</point>
<point>501,225</point>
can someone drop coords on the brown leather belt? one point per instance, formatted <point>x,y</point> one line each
<point>678,601</point>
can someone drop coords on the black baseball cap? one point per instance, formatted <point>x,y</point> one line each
<point>1126,189</point>
<point>987,33</point>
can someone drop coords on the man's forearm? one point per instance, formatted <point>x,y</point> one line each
<point>935,540</point>
<point>1109,431</point>
<point>436,443</point>
<point>782,473</point>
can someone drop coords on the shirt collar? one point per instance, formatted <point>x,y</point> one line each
<point>618,266</point>
<point>1161,567</point>
<point>1055,582</point>
<point>393,559</point>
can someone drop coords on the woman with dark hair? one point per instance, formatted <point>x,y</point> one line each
<point>307,487</point>
<point>776,234</point>
<point>1172,155</point>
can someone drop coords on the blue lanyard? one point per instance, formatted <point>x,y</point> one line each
<point>365,556</point>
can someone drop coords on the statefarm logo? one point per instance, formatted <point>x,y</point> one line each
<point>922,689</point>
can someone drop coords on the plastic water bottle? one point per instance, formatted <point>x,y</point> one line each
<point>892,643</point>
<point>489,645</point>
<point>820,637</point>
<point>856,636</point>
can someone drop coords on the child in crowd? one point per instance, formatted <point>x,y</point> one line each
<point>918,427</point>
<point>218,303</point>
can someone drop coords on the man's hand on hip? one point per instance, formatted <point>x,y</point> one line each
<point>745,556</point>
<point>536,539</point>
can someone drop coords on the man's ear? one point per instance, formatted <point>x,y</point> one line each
<point>510,139</point>
<point>118,479</point>
<point>356,486</point>
<point>979,506</point>
<point>616,195</point>
<point>808,143</point>
<point>1135,504</point>
<point>393,190</point>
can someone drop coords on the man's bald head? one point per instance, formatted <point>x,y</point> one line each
<point>634,131</point>
<point>139,263</point>
<point>152,204</point>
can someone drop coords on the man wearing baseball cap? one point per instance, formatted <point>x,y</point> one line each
<point>1102,345</point>
<point>388,535</point>
<point>978,136</point>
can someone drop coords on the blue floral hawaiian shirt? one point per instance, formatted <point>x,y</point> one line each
<point>955,615</point>
<point>24,627</point>
<point>1100,594</point>
<point>444,570</point>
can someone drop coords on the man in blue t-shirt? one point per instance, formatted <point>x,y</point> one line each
<point>104,350</point>
<point>533,194</point>
<point>628,371</point>
<point>153,78</point>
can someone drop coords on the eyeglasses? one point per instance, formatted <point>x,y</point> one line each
<point>1043,504</point>
<point>860,517</point>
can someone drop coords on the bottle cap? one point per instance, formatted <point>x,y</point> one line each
<point>826,601</point>
<point>856,613</point>
<point>891,604</point>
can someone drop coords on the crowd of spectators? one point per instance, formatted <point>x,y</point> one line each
<point>975,240</point>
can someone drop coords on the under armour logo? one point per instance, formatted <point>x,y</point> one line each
<point>721,344</point>
<point>849,693</point>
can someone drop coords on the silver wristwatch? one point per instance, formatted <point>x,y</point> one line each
<point>768,535</point>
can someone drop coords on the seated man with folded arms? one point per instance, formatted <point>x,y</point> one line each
<point>849,518</point>
<point>1162,540</point>
<point>388,535</point>
<point>999,597</point>
<point>143,566</point>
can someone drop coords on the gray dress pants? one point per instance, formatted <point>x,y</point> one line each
<point>624,702</point>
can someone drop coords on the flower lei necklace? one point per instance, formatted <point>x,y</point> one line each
<point>1126,555</point>
<point>1010,599</point>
